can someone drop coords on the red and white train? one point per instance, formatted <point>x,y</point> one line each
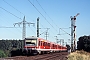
<point>37,45</point>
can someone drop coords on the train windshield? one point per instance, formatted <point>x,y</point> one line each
<point>30,42</point>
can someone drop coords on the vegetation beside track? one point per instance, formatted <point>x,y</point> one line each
<point>79,55</point>
<point>84,43</point>
<point>83,47</point>
<point>2,54</point>
<point>6,46</point>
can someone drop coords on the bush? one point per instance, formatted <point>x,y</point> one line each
<point>84,43</point>
<point>2,54</point>
<point>8,45</point>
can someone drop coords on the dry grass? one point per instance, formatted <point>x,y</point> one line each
<point>79,55</point>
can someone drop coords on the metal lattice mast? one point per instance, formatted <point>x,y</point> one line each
<point>24,27</point>
<point>73,34</point>
<point>47,33</point>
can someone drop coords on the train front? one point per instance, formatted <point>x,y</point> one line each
<point>30,46</point>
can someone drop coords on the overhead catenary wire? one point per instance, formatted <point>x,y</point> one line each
<point>20,12</point>
<point>7,22</point>
<point>8,27</point>
<point>51,18</point>
<point>11,13</point>
<point>36,9</point>
<point>41,14</point>
<point>13,7</point>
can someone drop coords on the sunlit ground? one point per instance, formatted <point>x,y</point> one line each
<point>79,55</point>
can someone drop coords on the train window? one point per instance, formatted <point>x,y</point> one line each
<point>59,46</point>
<point>45,43</point>
<point>48,44</point>
<point>30,42</point>
<point>39,43</point>
<point>53,45</point>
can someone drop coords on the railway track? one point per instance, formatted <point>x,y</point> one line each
<point>51,56</point>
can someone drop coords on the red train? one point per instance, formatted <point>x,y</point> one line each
<point>35,45</point>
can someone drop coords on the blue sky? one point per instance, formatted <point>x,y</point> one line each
<point>59,12</point>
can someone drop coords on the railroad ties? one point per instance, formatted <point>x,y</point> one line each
<point>51,56</point>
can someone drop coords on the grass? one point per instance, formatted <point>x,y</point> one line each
<point>79,55</point>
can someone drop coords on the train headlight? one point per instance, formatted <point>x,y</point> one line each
<point>35,48</point>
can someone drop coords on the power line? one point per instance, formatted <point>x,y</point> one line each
<point>13,7</point>
<point>43,9</point>
<point>50,18</point>
<point>41,6</point>
<point>9,27</point>
<point>7,22</point>
<point>40,13</point>
<point>24,14</point>
<point>65,31</point>
<point>16,10</point>
<point>10,13</point>
<point>19,12</point>
<point>6,27</point>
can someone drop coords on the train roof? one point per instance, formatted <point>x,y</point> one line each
<point>41,39</point>
<point>31,37</point>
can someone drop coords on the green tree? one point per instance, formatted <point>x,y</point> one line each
<point>84,43</point>
<point>2,54</point>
